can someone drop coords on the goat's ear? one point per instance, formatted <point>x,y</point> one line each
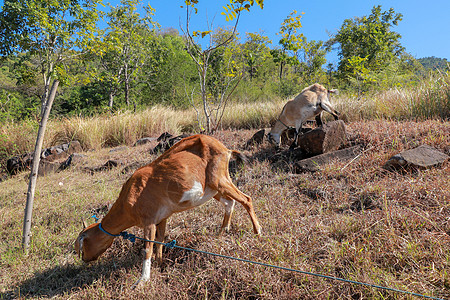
<point>334,91</point>
<point>79,245</point>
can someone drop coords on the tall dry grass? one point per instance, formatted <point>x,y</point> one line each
<point>429,100</point>
<point>120,128</point>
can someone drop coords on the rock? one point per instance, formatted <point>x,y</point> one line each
<point>73,159</point>
<point>144,141</point>
<point>19,163</point>
<point>289,155</point>
<point>166,140</point>
<point>106,166</point>
<point>288,135</point>
<point>314,163</point>
<point>423,156</point>
<point>133,166</point>
<point>327,138</point>
<point>256,139</point>
<point>53,154</point>
<point>118,149</point>
<point>3,177</point>
<point>164,136</point>
<point>47,167</point>
<point>60,152</point>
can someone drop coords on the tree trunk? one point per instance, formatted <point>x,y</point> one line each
<point>111,99</point>
<point>127,86</point>
<point>35,167</point>
<point>205,97</point>
<point>281,71</point>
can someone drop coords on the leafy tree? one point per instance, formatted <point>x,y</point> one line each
<point>360,75</point>
<point>125,48</point>
<point>291,41</point>
<point>202,59</point>
<point>256,51</point>
<point>368,39</point>
<point>225,65</point>
<point>170,71</point>
<point>19,93</point>
<point>313,53</point>
<point>54,31</point>
<point>233,9</point>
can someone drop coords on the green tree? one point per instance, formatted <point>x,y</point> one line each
<point>361,75</point>
<point>224,74</point>
<point>256,51</point>
<point>233,8</point>
<point>370,39</point>
<point>435,63</point>
<point>19,92</point>
<point>126,47</point>
<point>169,73</point>
<point>313,58</point>
<point>291,41</point>
<point>55,31</point>
<point>202,57</point>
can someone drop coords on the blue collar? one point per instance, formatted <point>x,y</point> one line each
<point>101,228</point>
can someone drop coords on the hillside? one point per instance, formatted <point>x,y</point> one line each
<point>354,221</point>
<point>434,63</point>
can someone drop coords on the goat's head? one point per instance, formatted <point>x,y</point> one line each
<point>92,242</point>
<point>326,105</point>
<point>274,139</point>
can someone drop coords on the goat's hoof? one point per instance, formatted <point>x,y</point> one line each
<point>224,230</point>
<point>139,282</point>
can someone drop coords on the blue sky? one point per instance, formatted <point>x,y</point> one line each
<point>425,28</point>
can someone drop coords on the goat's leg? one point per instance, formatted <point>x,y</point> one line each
<point>294,142</point>
<point>228,191</point>
<point>160,234</point>
<point>149,234</point>
<point>298,128</point>
<point>319,119</point>
<point>229,208</point>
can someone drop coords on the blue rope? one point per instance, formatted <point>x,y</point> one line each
<point>172,244</point>
<point>95,218</point>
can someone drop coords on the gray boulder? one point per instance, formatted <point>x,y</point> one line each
<point>423,156</point>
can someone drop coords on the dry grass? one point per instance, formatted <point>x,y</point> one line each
<point>430,100</point>
<point>120,128</point>
<point>359,223</point>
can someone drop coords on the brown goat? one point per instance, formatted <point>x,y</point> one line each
<point>308,104</point>
<point>187,175</point>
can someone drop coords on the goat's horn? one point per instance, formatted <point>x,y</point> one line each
<point>84,224</point>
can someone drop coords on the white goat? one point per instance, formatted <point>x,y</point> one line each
<point>308,104</point>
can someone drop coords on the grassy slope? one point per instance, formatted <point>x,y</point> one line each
<point>312,222</point>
